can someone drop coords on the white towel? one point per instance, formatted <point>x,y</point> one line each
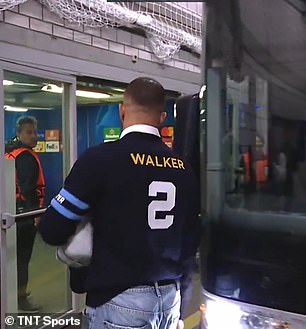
<point>77,251</point>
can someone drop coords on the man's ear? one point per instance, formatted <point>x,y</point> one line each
<point>162,118</point>
<point>121,112</point>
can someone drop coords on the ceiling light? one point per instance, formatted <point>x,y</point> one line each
<point>8,82</point>
<point>52,88</point>
<point>119,89</point>
<point>91,94</point>
<point>202,91</point>
<point>14,108</point>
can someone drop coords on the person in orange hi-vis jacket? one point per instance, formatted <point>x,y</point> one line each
<point>258,162</point>
<point>30,192</point>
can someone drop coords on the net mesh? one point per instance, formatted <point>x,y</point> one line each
<point>167,25</point>
<point>8,4</point>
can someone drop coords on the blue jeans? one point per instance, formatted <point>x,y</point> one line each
<point>142,307</point>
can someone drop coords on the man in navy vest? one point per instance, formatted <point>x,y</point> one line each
<point>143,202</point>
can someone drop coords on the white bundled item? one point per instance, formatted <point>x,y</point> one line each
<point>78,250</point>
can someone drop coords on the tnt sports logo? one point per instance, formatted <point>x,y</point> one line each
<point>59,198</point>
<point>40,320</point>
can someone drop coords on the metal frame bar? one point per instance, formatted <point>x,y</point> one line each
<point>2,203</point>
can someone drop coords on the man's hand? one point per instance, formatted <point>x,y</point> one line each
<point>180,324</point>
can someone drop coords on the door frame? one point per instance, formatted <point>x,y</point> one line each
<point>69,125</point>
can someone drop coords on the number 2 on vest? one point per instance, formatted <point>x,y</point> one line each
<point>161,205</point>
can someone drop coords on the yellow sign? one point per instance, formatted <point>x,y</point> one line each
<point>40,147</point>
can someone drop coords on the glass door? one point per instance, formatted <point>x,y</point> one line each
<point>35,113</point>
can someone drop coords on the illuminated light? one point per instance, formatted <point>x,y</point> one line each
<point>174,110</point>
<point>91,94</point>
<point>8,83</point>
<point>52,88</point>
<point>226,314</point>
<point>202,111</point>
<point>14,108</point>
<point>202,91</point>
<point>231,315</point>
<point>119,89</point>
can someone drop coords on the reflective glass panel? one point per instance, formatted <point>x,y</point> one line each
<point>34,140</point>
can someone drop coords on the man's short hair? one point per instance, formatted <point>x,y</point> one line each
<point>23,121</point>
<point>146,92</point>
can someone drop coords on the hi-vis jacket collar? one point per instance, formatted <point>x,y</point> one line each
<point>141,129</point>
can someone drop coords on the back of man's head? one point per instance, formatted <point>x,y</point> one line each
<point>25,120</point>
<point>146,94</point>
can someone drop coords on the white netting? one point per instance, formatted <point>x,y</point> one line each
<point>8,4</point>
<point>163,48</point>
<point>168,26</point>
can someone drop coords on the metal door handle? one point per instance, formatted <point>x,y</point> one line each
<point>8,220</point>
